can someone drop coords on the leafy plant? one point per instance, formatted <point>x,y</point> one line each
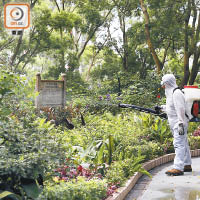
<point>27,153</point>
<point>119,171</point>
<point>29,147</point>
<point>194,142</point>
<point>80,189</point>
<point>102,150</point>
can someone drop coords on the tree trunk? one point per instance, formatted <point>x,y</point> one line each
<point>90,67</point>
<point>186,69</point>
<point>147,32</point>
<point>186,48</point>
<point>195,65</point>
<point>142,70</point>
<point>124,37</point>
<point>16,50</point>
<point>195,68</point>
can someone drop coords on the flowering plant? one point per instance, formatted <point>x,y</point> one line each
<point>196,133</point>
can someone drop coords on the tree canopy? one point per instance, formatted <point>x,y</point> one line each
<point>77,36</point>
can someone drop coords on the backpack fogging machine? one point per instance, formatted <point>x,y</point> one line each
<point>192,99</point>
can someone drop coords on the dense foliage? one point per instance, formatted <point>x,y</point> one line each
<point>112,52</point>
<point>97,157</point>
<point>29,146</point>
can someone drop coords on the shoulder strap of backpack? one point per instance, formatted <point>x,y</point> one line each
<point>182,92</point>
<point>176,89</point>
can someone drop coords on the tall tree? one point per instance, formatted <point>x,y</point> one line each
<point>177,23</point>
<point>123,11</point>
<point>149,41</point>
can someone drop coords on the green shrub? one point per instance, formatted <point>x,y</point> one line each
<point>116,174</point>
<point>119,171</point>
<point>27,153</point>
<point>194,142</point>
<point>29,147</point>
<point>79,189</point>
<point>148,149</point>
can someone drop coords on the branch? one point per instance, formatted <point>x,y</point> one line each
<point>7,44</point>
<point>3,61</point>
<point>57,5</point>
<point>22,58</point>
<point>115,46</point>
<point>79,37</point>
<point>165,53</point>
<point>195,15</point>
<point>92,34</point>
<point>125,44</point>
<point>63,5</point>
<point>33,4</point>
<point>16,50</point>
<point>86,42</point>
<point>94,56</point>
<point>33,52</point>
<point>193,42</point>
<point>31,39</point>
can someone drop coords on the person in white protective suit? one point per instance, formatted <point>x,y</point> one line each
<point>178,121</point>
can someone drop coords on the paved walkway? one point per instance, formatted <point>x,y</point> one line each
<point>163,187</point>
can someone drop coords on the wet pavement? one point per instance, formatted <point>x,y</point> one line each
<point>163,187</point>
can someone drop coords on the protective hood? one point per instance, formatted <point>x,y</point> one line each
<point>169,81</point>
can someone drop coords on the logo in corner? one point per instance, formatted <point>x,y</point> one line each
<point>16,16</point>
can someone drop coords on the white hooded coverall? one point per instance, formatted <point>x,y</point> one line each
<point>175,109</point>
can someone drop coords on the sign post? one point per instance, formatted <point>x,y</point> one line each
<point>52,93</point>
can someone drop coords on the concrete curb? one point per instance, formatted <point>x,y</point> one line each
<point>122,192</point>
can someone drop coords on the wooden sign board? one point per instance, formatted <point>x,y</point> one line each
<point>51,92</point>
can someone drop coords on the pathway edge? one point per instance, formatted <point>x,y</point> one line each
<point>122,192</point>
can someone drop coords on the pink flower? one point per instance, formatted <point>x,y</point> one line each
<point>64,178</point>
<point>63,172</point>
<point>113,187</point>
<point>65,167</point>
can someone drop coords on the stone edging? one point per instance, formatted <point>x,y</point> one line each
<point>123,191</point>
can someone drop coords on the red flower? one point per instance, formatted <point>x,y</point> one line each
<point>158,96</point>
<point>80,168</point>
<point>65,167</point>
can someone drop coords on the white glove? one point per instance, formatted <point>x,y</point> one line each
<point>181,129</point>
<point>163,108</point>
